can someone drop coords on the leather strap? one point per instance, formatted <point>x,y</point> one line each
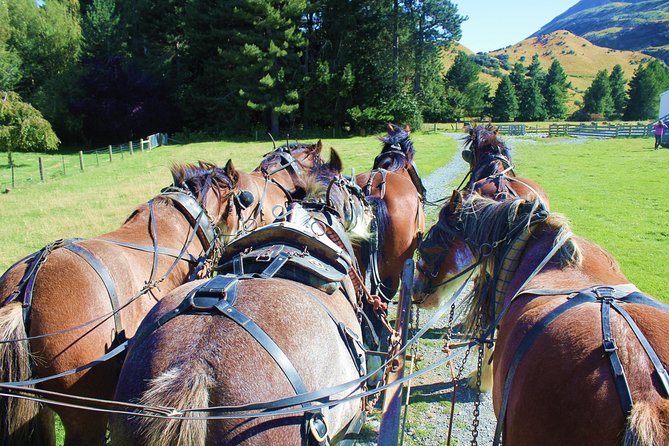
<point>191,208</point>
<point>610,348</point>
<point>524,346</point>
<point>107,280</point>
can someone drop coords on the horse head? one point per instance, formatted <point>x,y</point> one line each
<point>484,151</point>
<point>289,163</point>
<point>216,190</point>
<point>397,149</point>
<point>468,237</point>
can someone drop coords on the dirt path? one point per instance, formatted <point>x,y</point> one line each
<point>431,394</point>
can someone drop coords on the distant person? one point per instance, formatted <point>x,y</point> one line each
<point>659,130</point>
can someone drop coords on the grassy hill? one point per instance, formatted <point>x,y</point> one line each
<point>639,25</point>
<point>580,59</point>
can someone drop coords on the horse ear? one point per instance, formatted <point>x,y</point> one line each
<point>318,147</point>
<point>231,172</point>
<point>390,128</point>
<point>335,163</point>
<point>455,203</point>
<point>407,129</point>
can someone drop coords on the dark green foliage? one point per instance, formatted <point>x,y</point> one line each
<point>534,70</point>
<point>465,95</point>
<point>555,91</point>
<point>532,103</point>
<point>505,104</point>
<point>644,90</point>
<point>597,98</point>
<point>22,127</point>
<point>517,77</point>
<point>618,93</point>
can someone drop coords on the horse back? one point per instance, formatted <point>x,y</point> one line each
<point>235,368</point>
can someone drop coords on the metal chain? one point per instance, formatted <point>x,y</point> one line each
<point>477,397</point>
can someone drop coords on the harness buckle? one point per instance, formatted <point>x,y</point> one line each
<point>318,429</point>
<point>604,292</point>
<point>609,345</point>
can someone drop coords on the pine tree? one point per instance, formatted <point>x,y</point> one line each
<point>644,88</point>
<point>534,70</point>
<point>597,98</point>
<point>532,104</point>
<point>517,77</point>
<point>618,93</point>
<point>505,103</point>
<point>465,95</point>
<point>555,91</point>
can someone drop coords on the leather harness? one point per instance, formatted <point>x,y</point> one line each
<point>609,297</point>
<point>183,201</point>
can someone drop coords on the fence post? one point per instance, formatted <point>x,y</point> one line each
<point>12,166</point>
<point>62,159</point>
<point>110,153</point>
<point>141,144</point>
<point>81,160</point>
<point>130,147</point>
<point>41,168</point>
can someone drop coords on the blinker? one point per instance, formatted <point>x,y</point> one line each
<point>467,155</point>
<point>245,199</point>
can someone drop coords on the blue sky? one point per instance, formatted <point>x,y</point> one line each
<point>495,24</point>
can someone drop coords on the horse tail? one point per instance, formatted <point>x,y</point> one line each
<point>178,388</point>
<point>382,221</point>
<point>648,424</point>
<point>18,416</point>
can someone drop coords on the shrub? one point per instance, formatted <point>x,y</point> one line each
<point>22,127</point>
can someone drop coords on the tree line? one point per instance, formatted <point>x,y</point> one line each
<point>532,94</point>
<point>106,70</point>
<point>100,71</point>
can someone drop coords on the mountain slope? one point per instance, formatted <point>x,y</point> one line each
<point>638,25</point>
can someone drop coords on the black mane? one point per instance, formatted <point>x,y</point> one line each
<point>397,150</point>
<point>200,178</point>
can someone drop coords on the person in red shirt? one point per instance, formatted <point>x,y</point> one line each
<point>660,126</point>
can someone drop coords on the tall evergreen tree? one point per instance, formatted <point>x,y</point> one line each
<point>644,89</point>
<point>597,98</point>
<point>517,77</point>
<point>532,104</point>
<point>465,95</point>
<point>618,93</point>
<point>555,91</point>
<point>505,103</point>
<point>10,62</point>
<point>534,70</point>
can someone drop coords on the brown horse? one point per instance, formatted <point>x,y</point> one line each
<point>275,182</point>
<point>74,300</point>
<point>397,192</point>
<point>580,353</point>
<point>287,325</point>
<point>491,170</point>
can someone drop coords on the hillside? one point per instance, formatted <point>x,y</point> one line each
<point>638,25</point>
<point>580,59</point>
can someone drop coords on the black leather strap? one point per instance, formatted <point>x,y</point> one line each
<point>524,346</point>
<point>655,360</point>
<point>107,280</point>
<point>611,350</point>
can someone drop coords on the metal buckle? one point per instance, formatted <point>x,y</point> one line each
<point>204,303</point>
<point>604,292</point>
<point>609,345</point>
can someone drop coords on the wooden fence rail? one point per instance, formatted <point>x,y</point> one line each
<point>600,130</point>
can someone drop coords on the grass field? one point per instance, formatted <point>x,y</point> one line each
<point>98,200</point>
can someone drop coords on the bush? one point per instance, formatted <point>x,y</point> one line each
<point>22,127</point>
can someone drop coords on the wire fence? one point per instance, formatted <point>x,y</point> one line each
<point>27,168</point>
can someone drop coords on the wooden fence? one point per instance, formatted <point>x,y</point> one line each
<point>33,167</point>
<point>601,130</point>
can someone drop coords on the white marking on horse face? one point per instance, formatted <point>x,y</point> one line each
<point>461,259</point>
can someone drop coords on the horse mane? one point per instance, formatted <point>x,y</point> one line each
<point>274,157</point>
<point>397,149</point>
<point>484,143</point>
<point>200,178</point>
<point>485,221</point>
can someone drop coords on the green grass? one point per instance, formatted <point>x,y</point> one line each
<point>86,204</point>
<point>614,192</point>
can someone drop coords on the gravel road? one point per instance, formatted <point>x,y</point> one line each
<point>431,394</point>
